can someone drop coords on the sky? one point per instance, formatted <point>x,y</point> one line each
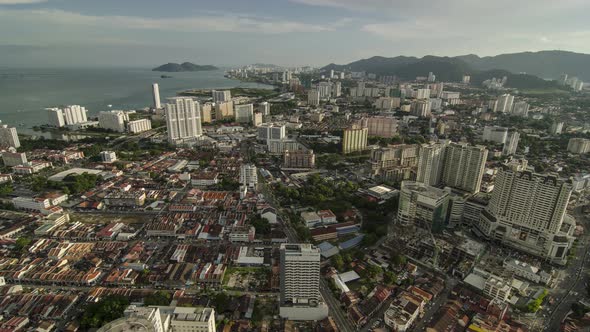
<point>47,33</point>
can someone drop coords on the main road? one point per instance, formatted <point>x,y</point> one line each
<point>574,281</point>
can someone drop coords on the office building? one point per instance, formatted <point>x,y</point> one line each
<point>9,137</point>
<point>578,145</point>
<point>504,103</point>
<point>431,77</point>
<point>423,205</point>
<point>430,163</point>
<point>183,120</point>
<point>300,297</point>
<point>244,113</point>
<point>69,115</point>
<point>395,162</point>
<point>264,108</point>
<point>354,139</point>
<point>270,131</point>
<point>511,143</point>
<point>381,126</point>
<point>466,79</point>
<point>156,96</point>
<point>527,211</point>
<point>113,120</point>
<point>313,98</point>
<point>520,108</point>
<point>138,126</point>
<point>248,175</point>
<point>108,156</point>
<point>464,166</point>
<point>299,159</point>
<point>220,96</point>
<point>224,110</point>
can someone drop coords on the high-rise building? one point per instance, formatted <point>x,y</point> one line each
<point>9,137</point>
<point>248,175</point>
<point>421,108</point>
<point>299,159</point>
<point>336,89</point>
<point>67,116</point>
<point>354,139</point>
<point>270,131</point>
<point>108,156</point>
<point>300,297</point>
<point>504,103</point>
<point>224,110</point>
<point>257,121</point>
<point>11,159</point>
<point>113,120</point>
<point>313,98</point>
<point>511,143</point>
<point>183,120</point>
<point>520,108</point>
<point>325,89</point>
<point>56,117</point>
<point>423,94</point>
<point>156,96</point>
<point>395,162</point>
<point>381,126</point>
<point>556,128</point>
<point>464,166</point>
<point>264,108</point>
<point>422,205</point>
<point>495,134</point>
<point>430,164</point>
<point>221,96</point>
<point>431,77</point>
<point>466,79</point>
<point>527,211</point>
<point>578,145</point>
<point>206,112</point>
<point>244,113</point>
<point>138,126</point>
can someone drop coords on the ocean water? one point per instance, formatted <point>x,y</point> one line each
<point>25,93</point>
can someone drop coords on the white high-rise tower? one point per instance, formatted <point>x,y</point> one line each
<point>183,120</point>
<point>156,95</point>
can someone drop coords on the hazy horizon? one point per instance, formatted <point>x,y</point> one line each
<point>134,33</point>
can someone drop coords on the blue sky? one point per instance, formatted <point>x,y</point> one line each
<point>285,32</point>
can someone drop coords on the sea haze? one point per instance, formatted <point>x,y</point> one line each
<point>25,93</point>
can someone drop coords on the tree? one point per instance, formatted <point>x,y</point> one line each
<point>373,270</point>
<point>158,298</point>
<point>389,277</point>
<point>261,225</point>
<point>398,259</point>
<point>338,262</point>
<point>22,242</point>
<point>106,310</point>
<point>5,189</point>
<point>220,302</point>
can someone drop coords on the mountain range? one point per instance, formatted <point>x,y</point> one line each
<point>533,68</point>
<point>185,66</point>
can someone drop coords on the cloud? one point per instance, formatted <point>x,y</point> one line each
<point>220,23</point>
<point>20,2</point>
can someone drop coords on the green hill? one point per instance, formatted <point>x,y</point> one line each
<point>185,66</point>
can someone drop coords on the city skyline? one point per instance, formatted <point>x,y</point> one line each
<point>287,32</point>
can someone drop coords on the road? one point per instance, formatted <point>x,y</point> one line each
<point>576,274</point>
<point>433,307</point>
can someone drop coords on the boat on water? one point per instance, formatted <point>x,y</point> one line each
<point>109,105</point>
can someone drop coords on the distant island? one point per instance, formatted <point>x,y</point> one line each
<point>185,66</point>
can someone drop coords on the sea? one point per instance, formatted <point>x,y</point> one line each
<point>25,93</point>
